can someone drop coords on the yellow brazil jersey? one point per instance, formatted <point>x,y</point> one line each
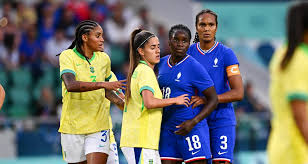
<point>83,112</point>
<point>141,126</point>
<point>286,144</point>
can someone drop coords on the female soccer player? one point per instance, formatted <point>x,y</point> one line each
<point>288,142</point>
<point>183,136</point>
<point>223,67</point>
<point>84,71</point>
<point>143,101</point>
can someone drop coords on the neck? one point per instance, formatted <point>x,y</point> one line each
<point>206,45</point>
<point>87,52</point>
<point>149,64</point>
<point>176,59</point>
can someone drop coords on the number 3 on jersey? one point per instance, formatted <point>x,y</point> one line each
<point>166,92</point>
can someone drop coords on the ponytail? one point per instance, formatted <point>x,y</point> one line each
<point>134,59</point>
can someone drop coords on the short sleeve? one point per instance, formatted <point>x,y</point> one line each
<point>66,64</point>
<point>108,69</point>
<point>296,85</point>
<point>146,80</point>
<point>201,79</point>
<point>230,58</point>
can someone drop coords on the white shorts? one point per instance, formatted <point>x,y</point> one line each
<point>75,147</point>
<point>113,157</point>
<point>141,155</point>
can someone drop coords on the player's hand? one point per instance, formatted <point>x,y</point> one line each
<point>182,100</point>
<point>185,127</point>
<point>114,85</point>
<point>196,101</point>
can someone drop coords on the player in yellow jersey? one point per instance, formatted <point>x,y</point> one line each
<point>113,157</point>
<point>85,71</point>
<point>288,141</point>
<point>143,101</point>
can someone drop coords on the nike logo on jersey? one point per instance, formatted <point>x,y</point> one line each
<point>221,153</point>
<point>193,153</point>
<point>78,64</point>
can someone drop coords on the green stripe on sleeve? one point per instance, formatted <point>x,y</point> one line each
<point>67,71</point>
<point>146,88</point>
<point>108,78</point>
<point>297,96</point>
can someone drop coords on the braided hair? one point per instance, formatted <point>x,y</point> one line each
<point>179,27</point>
<point>83,27</point>
<point>196,39</point>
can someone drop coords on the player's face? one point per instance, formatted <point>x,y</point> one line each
<point>206,27</point>
<point>95,40</point>
<point>151,51</point>
<point>179,43</point>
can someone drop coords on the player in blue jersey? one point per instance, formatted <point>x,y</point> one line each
<point>182,138</point>
<point>223,67</point>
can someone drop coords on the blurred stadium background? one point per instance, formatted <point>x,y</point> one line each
<point>32,32</point>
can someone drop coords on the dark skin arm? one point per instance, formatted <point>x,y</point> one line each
<point>299,111</point>
<point>78,86</point>
<point>235,94</point>
<point>212,101</point>
<point>114,98</point>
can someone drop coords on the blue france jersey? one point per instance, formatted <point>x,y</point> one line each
<point>186,77</point>
<point>215,61</point>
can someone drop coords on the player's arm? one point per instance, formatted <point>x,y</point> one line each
<point>114,98</point>
<point>150,102</point>
<point>237,90</point>
<point>78,86</point>
<point>299,110</point>
<point>2,96</point>
<point>212,101</point>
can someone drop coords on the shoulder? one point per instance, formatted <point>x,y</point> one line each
<point>103,55</point>
<point>225,49</point>
<point>192,46</point>
<point>67,54</point>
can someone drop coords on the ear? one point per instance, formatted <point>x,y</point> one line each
<point>84,37</point>
<point>140,51</point>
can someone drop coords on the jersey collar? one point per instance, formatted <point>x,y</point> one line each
<point>168,61</point>
<point>82,57</point>
<point>143,62</point>
<point>203,52</point>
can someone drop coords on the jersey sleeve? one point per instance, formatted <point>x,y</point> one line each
<point>297,87</point>
<point>146,80</point>
<point>201,79</point>
<point>108,68</point>
<point>230,58</point>
<point>66,64</point>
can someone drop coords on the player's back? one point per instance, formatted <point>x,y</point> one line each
<point>286,144</point>
<point>185,77</point>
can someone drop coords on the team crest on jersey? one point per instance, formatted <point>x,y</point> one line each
<point>92,69</point>
<point>215,62</point>
<point>178,77</point>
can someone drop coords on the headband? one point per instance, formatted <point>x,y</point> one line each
<point>145,41</point>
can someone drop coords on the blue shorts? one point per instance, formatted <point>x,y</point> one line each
<point>222,143</point>
<point>192,147</point>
